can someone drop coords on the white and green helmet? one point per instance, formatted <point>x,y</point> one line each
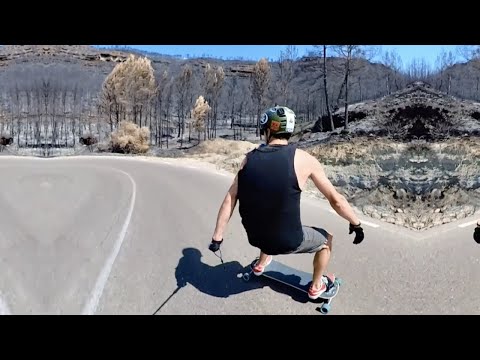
<point>279,119</point>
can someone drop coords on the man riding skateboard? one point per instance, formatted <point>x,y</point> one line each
<point>268,187</point>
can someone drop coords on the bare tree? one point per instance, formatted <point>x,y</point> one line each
<point>110,103</point>
<point>231,95</point>
<point>325,85</point>
<point>162,83</point>
<point>183,85</point>
<point>286,62</point>
<point>444,61</point>
<point>212,84</point>
<point>243,104</point>
<point>418,70</point>
<point>354,57</point>
<point>168,107</point>
<point>393,61</point>
<point>260,80</point>
<point>217,81</point>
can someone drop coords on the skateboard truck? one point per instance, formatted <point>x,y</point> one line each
<point>245,276</point>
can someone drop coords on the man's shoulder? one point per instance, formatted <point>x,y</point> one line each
<point>256,148</point>
<point>306,161</point>
<point>248,154</point>
<point>300,152</point>
<point>303,155</point>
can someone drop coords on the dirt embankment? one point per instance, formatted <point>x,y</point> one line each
<point>416,185</point>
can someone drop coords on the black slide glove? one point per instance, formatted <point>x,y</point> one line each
<point>215,245</point>
<point>476,234</point>
<point>358,233</point>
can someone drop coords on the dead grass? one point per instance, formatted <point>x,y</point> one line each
<point>224,147</point>
<point>225,154</point>
<point>357,150</point>
<point>465,146</point>
<point>229,154</point>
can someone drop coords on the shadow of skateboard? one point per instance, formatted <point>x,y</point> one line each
<point>297,279</point>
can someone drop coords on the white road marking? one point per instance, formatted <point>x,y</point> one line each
<point>364,222</point>
<point>467,224</point>
<point>4,310</point>
<point>91,305</point>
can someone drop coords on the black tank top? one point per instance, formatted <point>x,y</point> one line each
<point>269,199</point>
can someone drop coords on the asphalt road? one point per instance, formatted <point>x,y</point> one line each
<point>105,235</point>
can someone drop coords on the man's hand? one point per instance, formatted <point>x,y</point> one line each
<point>476,234</point>
<point>215,245</point>
<point>181,283</point>
<point>358,232</point>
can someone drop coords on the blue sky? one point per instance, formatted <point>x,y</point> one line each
<point>255,52</point>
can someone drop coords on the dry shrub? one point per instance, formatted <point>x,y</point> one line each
<point>130,139</point>
<point>199,113</point>
<point>88,139</point>
<point>6,139</point>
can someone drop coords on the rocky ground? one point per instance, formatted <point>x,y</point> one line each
<point>417,185</point>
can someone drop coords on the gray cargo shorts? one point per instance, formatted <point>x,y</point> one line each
<point>314,239</point>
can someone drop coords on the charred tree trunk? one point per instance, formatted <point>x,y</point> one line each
<point>327,103</point>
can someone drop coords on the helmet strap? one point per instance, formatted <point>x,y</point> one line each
<point>268,136</point>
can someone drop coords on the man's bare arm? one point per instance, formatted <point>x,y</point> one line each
<point>226,209</point>
<point>336,200</point>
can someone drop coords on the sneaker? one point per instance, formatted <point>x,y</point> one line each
<point>327,281</point>
<point>331,279</point>
<point>259,269</point>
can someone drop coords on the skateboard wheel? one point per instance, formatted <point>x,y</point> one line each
<point>325,309</point>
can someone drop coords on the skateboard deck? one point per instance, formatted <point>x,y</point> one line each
<point>298,279</point>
